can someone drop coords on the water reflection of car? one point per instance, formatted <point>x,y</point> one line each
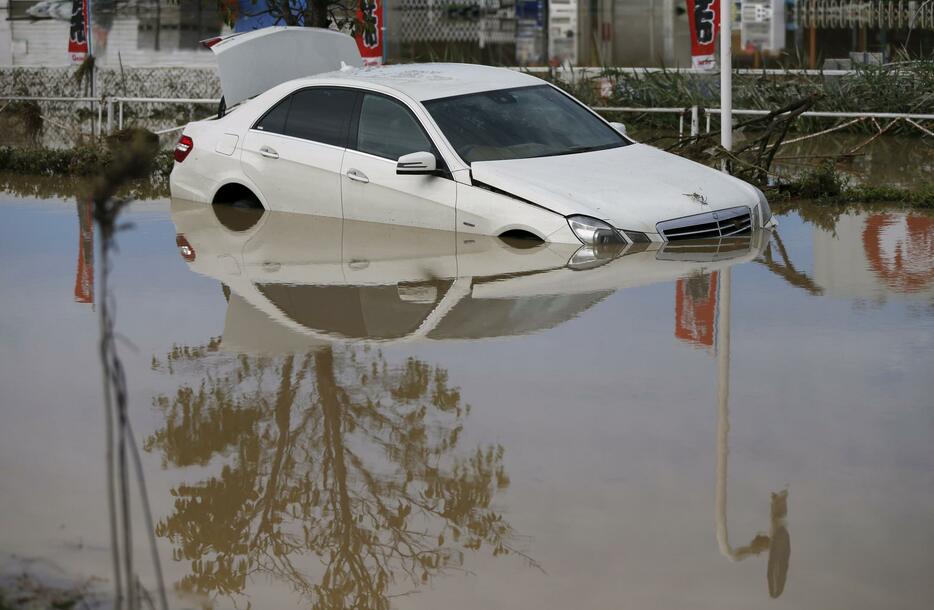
<point>297,279</point>
<point>476,149</point>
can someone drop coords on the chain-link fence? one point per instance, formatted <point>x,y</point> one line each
<point>480,21</point>
<point>109,82</point>
<point>886,14</point>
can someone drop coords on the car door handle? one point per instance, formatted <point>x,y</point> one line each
<point>357,176</point>
<point>268,152</point>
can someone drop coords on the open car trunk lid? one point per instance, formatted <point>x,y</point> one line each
<point>253,62</point>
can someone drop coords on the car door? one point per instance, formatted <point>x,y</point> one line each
<point>294,152</point>
<point>384,130</point>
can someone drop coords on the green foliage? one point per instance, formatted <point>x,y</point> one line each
<point>69,187</point>
<point>311,13</point>
<point>82,75</point>
<point>78,161</point>
<point>27,592</point>
<point>900,87</point>
<point>28,118</point>
<point>821,182</point>
<point>921,196</point>
<point>82,160</point>
<point>824,184</point>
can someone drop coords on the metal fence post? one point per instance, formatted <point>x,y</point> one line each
<point>110,116</point>
<point>695,121</point>
<point>120,114</point>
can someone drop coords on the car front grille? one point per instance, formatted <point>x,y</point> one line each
<point>709,225</point>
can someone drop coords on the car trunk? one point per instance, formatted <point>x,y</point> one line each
<point>251,63</point>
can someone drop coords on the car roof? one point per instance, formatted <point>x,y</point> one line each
<point>429,81</point>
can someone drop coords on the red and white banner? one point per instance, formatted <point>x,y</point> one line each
<point>703,18</point>
<point>78,48</point>
<point>370,38</point>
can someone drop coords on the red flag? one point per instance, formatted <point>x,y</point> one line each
<point>78,39</point>
<point>370,38</point>
<point>703,17</point>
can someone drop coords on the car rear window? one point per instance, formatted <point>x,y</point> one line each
<point>321,115</point>
<point>274,120</point>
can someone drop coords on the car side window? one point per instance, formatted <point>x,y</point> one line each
<point>320,115</point>
<point>274,120</point>
<point>388,129</point>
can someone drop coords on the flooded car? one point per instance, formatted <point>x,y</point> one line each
<point>466,148</point>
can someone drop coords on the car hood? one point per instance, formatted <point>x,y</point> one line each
<point>631,187</point>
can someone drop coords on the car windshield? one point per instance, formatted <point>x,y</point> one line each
<point>537,121</point>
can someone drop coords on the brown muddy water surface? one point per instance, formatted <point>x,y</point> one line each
<point>334,414</point>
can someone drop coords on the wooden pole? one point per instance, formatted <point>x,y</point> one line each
<point>812,48</point>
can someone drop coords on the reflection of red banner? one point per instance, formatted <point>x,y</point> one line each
<point>900,250</point>
<point>696,309</point>
<point>370,38</point>
<point>702,19</point>
<point>78,37</point>
<point>84,277</point>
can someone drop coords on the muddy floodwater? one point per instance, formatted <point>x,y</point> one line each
<point>348,415</point>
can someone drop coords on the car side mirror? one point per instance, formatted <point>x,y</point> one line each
<point>417,164</point>
<point>619,127</point>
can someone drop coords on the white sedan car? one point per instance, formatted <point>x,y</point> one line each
<point>464,148</point>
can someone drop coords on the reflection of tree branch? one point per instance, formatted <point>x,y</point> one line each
<point>310,488</point>
<point>284,402</point>
<point>786,270</point>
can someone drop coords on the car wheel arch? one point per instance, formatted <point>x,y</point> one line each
<point>232,191</point>
<point>515,231</point>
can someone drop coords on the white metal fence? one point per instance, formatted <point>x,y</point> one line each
<point>695,113</point>
<point>110,112</point>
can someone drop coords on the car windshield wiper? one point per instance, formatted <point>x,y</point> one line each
<point>572,151</point>
<point>579,149</point>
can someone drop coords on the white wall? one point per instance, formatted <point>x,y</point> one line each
<point>6,35</point>
<point>45,43</point>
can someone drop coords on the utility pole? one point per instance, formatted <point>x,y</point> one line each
<point>726,74</point>
<point>89,35</point>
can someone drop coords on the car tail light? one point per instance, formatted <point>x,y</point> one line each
<point>184,248</point>
<point>210,42</point>
<point>184,146</point>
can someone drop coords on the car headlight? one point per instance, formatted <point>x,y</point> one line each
<point>764,210</point>
<point>594,232</point>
